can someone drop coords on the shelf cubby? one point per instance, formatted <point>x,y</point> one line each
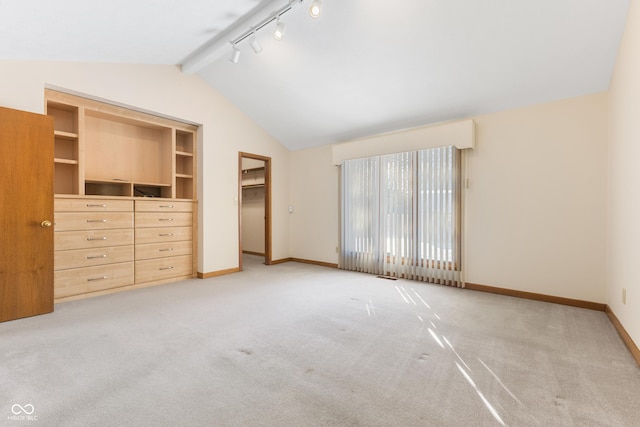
<point>184,142</point>
<point>101,188</point>
<point>184,166</point>
<point>65,147</point>
<point>66,177</point>
<point>65,117</point>
<point>184,188</point>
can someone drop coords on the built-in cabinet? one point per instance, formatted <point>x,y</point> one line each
<point>125,195</point>
<point>93,245</point>
<point>164,244</point>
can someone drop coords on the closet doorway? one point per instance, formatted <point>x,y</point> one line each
<point>254,206</point>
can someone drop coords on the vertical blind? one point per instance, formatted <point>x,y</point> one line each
<point>400,215</point>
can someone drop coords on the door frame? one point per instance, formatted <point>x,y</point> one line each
<point>267,205</point>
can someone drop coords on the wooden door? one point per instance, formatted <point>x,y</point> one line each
<point>26,214</point>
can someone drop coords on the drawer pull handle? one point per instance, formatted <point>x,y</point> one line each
<point>94,279</point>
<point>165,268</point>
<point>166,206</point>
<point>165,219</point>
<point>165,235</point>
<point>96,238</point>
<point>166,250</point>
<point>89,205</point>
<point>96,220</point>
<point>97,256</point>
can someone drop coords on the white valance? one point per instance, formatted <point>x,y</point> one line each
<point>459,134</point>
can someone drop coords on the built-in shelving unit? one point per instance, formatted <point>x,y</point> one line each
<point>184,160</point>
<point>125,186</point>
<point>67,146</point>
<point>253,178</point>
<point>107,150</point>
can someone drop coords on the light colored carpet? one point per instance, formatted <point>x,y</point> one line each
<point>300,345</point>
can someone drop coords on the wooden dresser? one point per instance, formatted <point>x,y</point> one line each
<point>163,237</point>
<point>94,245</point>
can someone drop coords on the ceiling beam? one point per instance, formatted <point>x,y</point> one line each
<point>219,45</point>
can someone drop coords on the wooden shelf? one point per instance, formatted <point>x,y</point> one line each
<point>183,175</point>
<point>65,161</point>
<point>151,184</point>
<point>65,135</point>
<point>184,154</point>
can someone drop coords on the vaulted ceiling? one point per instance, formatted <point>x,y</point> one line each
<point>363,67</point>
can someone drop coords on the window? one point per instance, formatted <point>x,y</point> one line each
<point>401,215</point>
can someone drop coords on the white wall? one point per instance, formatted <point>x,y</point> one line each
<point>624,179</point>
<point>164,89</point>
<point>535,214</point>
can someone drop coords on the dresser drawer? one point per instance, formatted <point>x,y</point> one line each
<point>64,260</point>
<point>166,234</point>
<point>92,205</point>
<point>90,279</point>
<point>163,268</point>
<point>66,221</point>
<point>163,206</point>
<point>163,219</point>
<point>162,250</point>
<point>65,240</point>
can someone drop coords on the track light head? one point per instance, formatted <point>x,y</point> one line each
<point>235,54</point>
<point>314,9</point>
<point>278,33</point>
<point>255,45</point>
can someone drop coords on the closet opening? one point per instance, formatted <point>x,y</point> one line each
<point>254,206</point>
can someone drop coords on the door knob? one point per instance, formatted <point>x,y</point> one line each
<point>45,224</point>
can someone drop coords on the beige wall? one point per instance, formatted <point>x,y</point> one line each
<point>164,89</point>
<point>314,197</point>
<point>624,179</point>
<point>253,220</point>
<point>535,214</point>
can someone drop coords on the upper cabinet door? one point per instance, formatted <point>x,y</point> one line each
<point>26,214</point>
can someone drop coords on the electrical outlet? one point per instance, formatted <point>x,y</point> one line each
<point>337,250</point>
<point>624,296</point>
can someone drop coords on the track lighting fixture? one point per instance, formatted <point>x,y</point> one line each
<point>255,45</point>
<point>235,54</point>
<point>278,33</point>
<point>314,10</point>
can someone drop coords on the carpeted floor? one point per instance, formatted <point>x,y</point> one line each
<point>300,345</point>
